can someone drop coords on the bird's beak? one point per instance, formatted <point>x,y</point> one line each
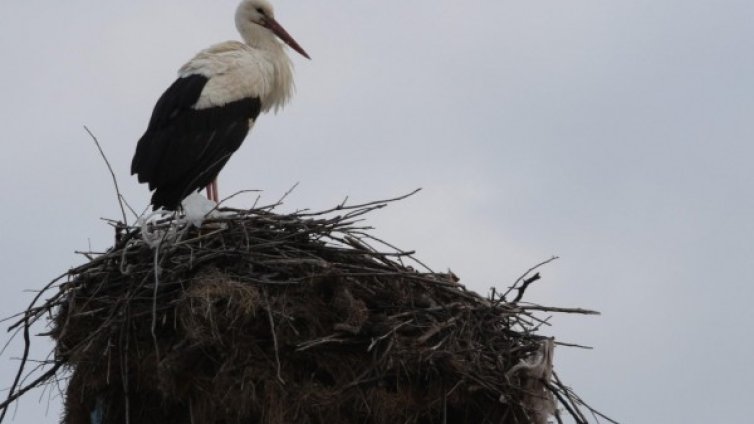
<point>283,35</point>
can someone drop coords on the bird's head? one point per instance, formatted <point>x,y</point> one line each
<point>254,14</point>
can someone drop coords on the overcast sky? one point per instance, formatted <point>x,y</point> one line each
<point>616,135</point>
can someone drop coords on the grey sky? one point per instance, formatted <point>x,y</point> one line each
<point>616,135</point>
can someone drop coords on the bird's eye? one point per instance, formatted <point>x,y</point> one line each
<point>260,10</point>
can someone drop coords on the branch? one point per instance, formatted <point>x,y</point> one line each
<point>522,279</point>
<point>112,174</point>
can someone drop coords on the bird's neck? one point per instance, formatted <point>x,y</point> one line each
<point>260,38</point>
<point>282,86</point>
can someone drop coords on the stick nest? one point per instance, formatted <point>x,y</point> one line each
<point>260,317</point>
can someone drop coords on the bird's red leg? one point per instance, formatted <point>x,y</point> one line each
<point>216,191</point>
<point>212,191</point>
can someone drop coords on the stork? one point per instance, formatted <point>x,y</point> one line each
<point>204,116</point>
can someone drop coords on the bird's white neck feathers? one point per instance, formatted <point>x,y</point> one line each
<point>259,67</point>
<point>265,43</point>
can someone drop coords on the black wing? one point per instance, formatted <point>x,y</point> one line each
<point>177,99</point>
<point>184,148</point>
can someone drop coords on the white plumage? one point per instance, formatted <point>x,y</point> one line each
<point>237,71</point>
<point>204,116</point>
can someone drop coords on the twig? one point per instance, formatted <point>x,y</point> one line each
<point>11,395</point>
<point>112,174</point>
<point>15,395</point>
<point>556,309</point>
<point>285,195</point>
<point>274,337</point>
<point>386,335</point>
<point>238,193</point>
<point>524,285</point>
<point>157,272</point>
<point>578,400</point>
<point>523,276</point>
<point>578,346</point>
<point>362,205</point>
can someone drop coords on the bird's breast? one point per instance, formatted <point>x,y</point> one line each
<point>236,71</point>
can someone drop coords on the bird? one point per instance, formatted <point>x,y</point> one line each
<point>205,115</point>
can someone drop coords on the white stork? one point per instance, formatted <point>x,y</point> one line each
<point>204,116</point>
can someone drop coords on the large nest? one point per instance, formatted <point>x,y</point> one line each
<point>259,317</point>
